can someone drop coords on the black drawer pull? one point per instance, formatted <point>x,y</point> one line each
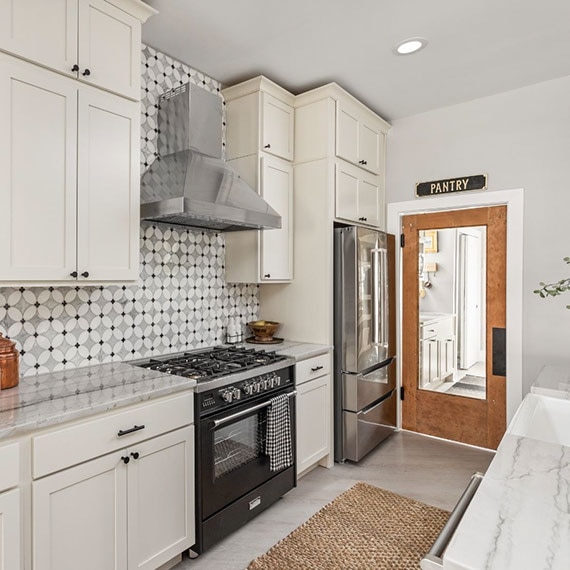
<point>316,368</point>
<point>267,146</point>
<point>87,73</point>
<point>135,455</point>
<point>127,431</point>
<point>125,459</point>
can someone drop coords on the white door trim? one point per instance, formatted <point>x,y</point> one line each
<point>514,200</point>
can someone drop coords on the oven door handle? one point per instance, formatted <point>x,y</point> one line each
<point>237,415</point>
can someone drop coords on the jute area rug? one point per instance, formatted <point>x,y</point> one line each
<point>364,528</point>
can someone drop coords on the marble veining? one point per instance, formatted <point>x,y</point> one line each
<point>53,398</point>
<point>520,516</point>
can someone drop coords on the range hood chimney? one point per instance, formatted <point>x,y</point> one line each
<point>189,184</point>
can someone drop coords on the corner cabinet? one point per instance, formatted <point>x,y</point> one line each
<point>260,147</point>
<point>69,178</point>
<point>95,41</point>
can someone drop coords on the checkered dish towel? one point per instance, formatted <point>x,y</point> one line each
<point>278,439</point>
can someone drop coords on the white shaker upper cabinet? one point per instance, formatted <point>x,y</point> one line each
<point>276,245</point>
<point>107,189</point>
<point>109,48</point>
<point>43,31</point>
<point>278,127</point>
<point>359,138</point>
<point>96,41</point>
<point>38,144</point>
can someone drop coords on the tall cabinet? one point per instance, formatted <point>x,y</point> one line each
<point>339,176</point>
<point>260,147</point>
<point>69,149</point>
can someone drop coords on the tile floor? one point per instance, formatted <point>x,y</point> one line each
<point>419,467</point>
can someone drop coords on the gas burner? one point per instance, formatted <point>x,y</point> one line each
<point>204,365</point>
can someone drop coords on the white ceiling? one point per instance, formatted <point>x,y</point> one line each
<point>476,47</point>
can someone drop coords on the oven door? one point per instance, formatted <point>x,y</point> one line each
<point>232,458</point>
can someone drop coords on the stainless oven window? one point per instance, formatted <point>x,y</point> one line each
<point>239,443</point>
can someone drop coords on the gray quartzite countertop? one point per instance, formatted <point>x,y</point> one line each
<point>57,397</point>
<point>49,399</point>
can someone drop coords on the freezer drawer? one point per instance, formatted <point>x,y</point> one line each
<point>364,430</point>
<point>359,390</point>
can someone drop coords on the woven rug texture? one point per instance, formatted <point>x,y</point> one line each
<point>365,528</point>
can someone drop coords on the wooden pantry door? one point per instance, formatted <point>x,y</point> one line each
<point>476,421</point>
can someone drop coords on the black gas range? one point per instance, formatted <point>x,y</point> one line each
<point>234,390</point>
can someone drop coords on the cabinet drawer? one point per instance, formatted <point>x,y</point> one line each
<point>313,368</point>
<point>80,442</point>
<point>10,462</point>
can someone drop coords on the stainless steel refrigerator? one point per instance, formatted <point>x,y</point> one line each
<point>364,331</point>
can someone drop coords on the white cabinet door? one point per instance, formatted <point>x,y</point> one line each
<point>277,127</point>
<point>10,535</point>
<point>109,48</point>
<point>38,146</point>
<point>108,187</point>
<point>347,180</point>
<point>41,31</point>
<point>80,517</point>
<point>358,139</point>
<point>347,132</point>
<point>161,499</point>
<point>277,245</point>
<point>359,197</point>
<point>313,421</point>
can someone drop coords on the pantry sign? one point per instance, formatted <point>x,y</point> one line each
<point>449,185</point>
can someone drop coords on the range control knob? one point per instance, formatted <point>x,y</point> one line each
<point>276,379</point>
<point>236,393</point>
<point>248,389</point>
<point>227,396</point>
<point>259,386</point>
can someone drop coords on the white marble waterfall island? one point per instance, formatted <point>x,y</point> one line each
<point>519,519</point>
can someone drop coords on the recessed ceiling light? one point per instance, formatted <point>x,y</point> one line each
<point>410,46</point>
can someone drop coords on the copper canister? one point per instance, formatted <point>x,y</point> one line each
<point>9,363</point>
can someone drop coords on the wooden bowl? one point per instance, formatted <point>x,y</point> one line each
<point>263,331</point>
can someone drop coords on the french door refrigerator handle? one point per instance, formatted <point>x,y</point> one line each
<point>377,331</point>
<point>385,293</point>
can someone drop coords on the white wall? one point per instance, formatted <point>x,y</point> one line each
<point>521,139</point>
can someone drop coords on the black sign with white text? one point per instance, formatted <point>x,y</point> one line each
<point>449,185</point>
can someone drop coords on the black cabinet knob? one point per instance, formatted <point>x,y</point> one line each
<point>267,146</point>
<point>135,455</point>
<point>74,274</point>
<point>85,274</point>
<point>364,162</point>
<point>75,68</point>
<point>267,275</point>
<point>360,162</point>
<point>126,459</point>
<point>87,72</point>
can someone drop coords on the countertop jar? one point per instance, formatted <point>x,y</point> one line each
<point>9,364</point>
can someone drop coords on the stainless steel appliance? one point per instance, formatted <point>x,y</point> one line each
<point>364,327</point>
<point>189,184</point>
<point>234,481</point>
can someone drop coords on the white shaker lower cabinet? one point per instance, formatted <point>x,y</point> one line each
<point>10,543</point>
<point>314,412</point>
<point>112,515</point>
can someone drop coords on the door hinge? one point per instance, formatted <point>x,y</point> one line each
<point>401,392</point>
<point>402,240</point>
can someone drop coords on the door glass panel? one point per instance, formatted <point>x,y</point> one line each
<point>452,280</point>
<point>239,443</point>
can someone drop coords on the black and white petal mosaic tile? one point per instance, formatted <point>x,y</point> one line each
<point>181,301</point>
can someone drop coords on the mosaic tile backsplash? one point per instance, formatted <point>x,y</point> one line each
<point>181,301</point>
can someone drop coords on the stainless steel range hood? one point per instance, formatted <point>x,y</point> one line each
<point>189,184</point>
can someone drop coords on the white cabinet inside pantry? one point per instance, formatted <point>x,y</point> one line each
<point>314,413</point>
<point>259,146</point>
<point>132,508</point>
<point>95,41</point>
<point>69,172</point>
<point>10,499</point>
